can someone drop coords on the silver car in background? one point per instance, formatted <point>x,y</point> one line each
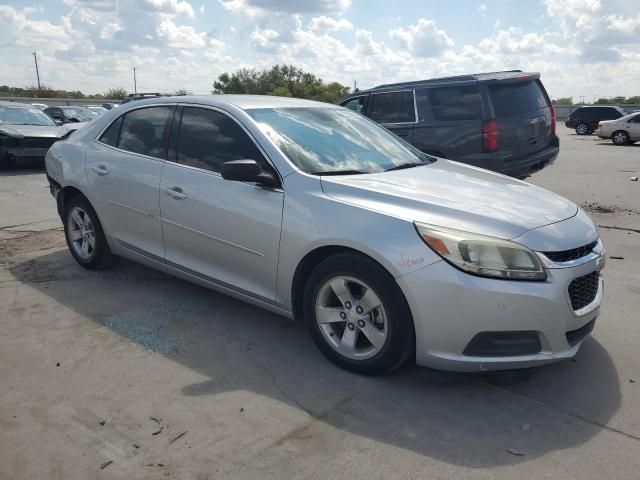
<point>313,211</point>
<point>622,130</point>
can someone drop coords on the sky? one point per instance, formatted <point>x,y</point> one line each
<point>587,48</point>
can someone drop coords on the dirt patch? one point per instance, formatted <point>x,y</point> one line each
<point>595,207</point>
<point>15,243</point>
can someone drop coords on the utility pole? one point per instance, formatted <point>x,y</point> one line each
<point>35,59</point>
<point>355,85</point>
<point>135,85</point>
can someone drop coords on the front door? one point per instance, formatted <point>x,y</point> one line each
<point>396,111</point>
<point>222,231</point>
<point>123,168</point>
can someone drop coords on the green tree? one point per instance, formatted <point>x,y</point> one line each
<point>280,80</point>
<point>115,93</point>
<point>183,91</point>
<point>563,101</point>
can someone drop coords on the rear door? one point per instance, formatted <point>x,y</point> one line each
<point>396,111</point>
<point>523,115</point>
<point>634,127</point>
<point>123,168</point>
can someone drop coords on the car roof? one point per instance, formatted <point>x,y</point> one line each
<point>16,104</point>
<point>468,79</point>
<point>244,102</point>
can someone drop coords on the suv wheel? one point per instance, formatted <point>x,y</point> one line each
<point>620,137</point>
<point>582,128</point>
<point>84,235</point>
<point>357,315</point>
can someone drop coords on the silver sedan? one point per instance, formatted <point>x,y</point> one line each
<point>315,212</point>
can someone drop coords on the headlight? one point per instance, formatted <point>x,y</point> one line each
<point>480,255</point>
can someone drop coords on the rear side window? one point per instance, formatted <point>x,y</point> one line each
<point>515,98</point>
<point>609,114</point>
<point>356,104</point>
<point>111,134</point>
<point>208,138</point>
<point>456,103</point>
<point>393,107</point>
<point>145,131</point>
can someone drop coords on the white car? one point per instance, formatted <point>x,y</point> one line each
<point>316,212</point>
<point>621,131</point>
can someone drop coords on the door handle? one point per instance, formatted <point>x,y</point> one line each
<point>100,170</point>
<point>176,192</point>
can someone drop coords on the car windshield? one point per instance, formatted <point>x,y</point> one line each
<point>335,140</point>
<point>24,116</point>
<point>82,114</point>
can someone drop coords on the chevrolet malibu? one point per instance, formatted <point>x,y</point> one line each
<point>313,211</point>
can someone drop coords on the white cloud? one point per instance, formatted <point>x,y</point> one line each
<point>255,7</point>
<point>326,24</point>
<point>181,36</point>
<point>169,6</point>
<point>423,39</point>
<point>265,40</point>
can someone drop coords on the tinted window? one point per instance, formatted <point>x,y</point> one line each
<point>609,114</point>
<point>635,119</point>
<point>356,104</point>
<point>514,98</point>
<point>144,131</point>
<point>455,103</point>
<point>208,138</point>
<point>111,134</point>
<point>395,107</point>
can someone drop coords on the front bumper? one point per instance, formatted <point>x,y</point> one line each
<point>451,307</point>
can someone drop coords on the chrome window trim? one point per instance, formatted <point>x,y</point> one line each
<point>415,108</point>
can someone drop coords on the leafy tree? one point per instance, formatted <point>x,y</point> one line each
<point>280,80</point>
<point>563,101</point>
<point>183,91</point>
<point>115,93</point>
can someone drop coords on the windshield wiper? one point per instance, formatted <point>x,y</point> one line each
<point>402,166</point>
<point>340,172</point>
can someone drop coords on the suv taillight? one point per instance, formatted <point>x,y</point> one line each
<point>490,136</point>
<point>553,121</point>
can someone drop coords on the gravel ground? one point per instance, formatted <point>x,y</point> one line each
<point>130,373</point>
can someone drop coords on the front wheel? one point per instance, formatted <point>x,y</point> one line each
<point>84,235</point>
<point>582,129</point>
<point>620,138</point>
<point>357,315</point>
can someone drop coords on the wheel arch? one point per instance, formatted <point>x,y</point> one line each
<point>310,260</point>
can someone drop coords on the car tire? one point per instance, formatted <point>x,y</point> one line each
<point>620,137</point>
<point>85,237</point>
<point>368,329</point>
<point>582,128</point>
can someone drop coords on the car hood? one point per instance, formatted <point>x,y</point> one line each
<point>20,131</point>
<point>454,195</point>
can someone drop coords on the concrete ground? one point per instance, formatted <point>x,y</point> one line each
<point>130,373</point>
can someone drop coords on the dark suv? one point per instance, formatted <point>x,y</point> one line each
<point>585,119</point>
<point>501,121</point>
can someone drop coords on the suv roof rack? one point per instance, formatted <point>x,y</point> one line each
<point>499,75</point>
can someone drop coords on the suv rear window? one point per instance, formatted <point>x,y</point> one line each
<point>456,103</point>
<point>513,98</point>
<point>393,107</point>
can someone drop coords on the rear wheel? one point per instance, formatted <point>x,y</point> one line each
<point>357,315</point>
<point>620,137</point>
<point>84,235</point>
<point>582,128</point>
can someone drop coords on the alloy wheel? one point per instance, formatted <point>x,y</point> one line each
<point>81,233</point>
<point>351,317</point>
<point>620,138</point>
<point>582,129</point>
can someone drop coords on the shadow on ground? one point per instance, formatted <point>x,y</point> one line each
<point>468,420</point>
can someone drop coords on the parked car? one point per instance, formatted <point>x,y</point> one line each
<point>585,119</point>
<point>69,114</point>
<point>40,106</point>
<point>622,131</point>
<point>97,109</point>
<point>25,134</point>
<point>501,121</point>
<point>109,106</point>
<point>313,211</point>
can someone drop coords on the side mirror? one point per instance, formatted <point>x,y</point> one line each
<point>248,171</point>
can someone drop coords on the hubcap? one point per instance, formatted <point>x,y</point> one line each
<point>81,233</point>
<point>582,128</point>
<point>356,333</point>
<point>619,138</point>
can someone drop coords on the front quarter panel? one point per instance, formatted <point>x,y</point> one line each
<point>312,220</point>
<point>64,163</point>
